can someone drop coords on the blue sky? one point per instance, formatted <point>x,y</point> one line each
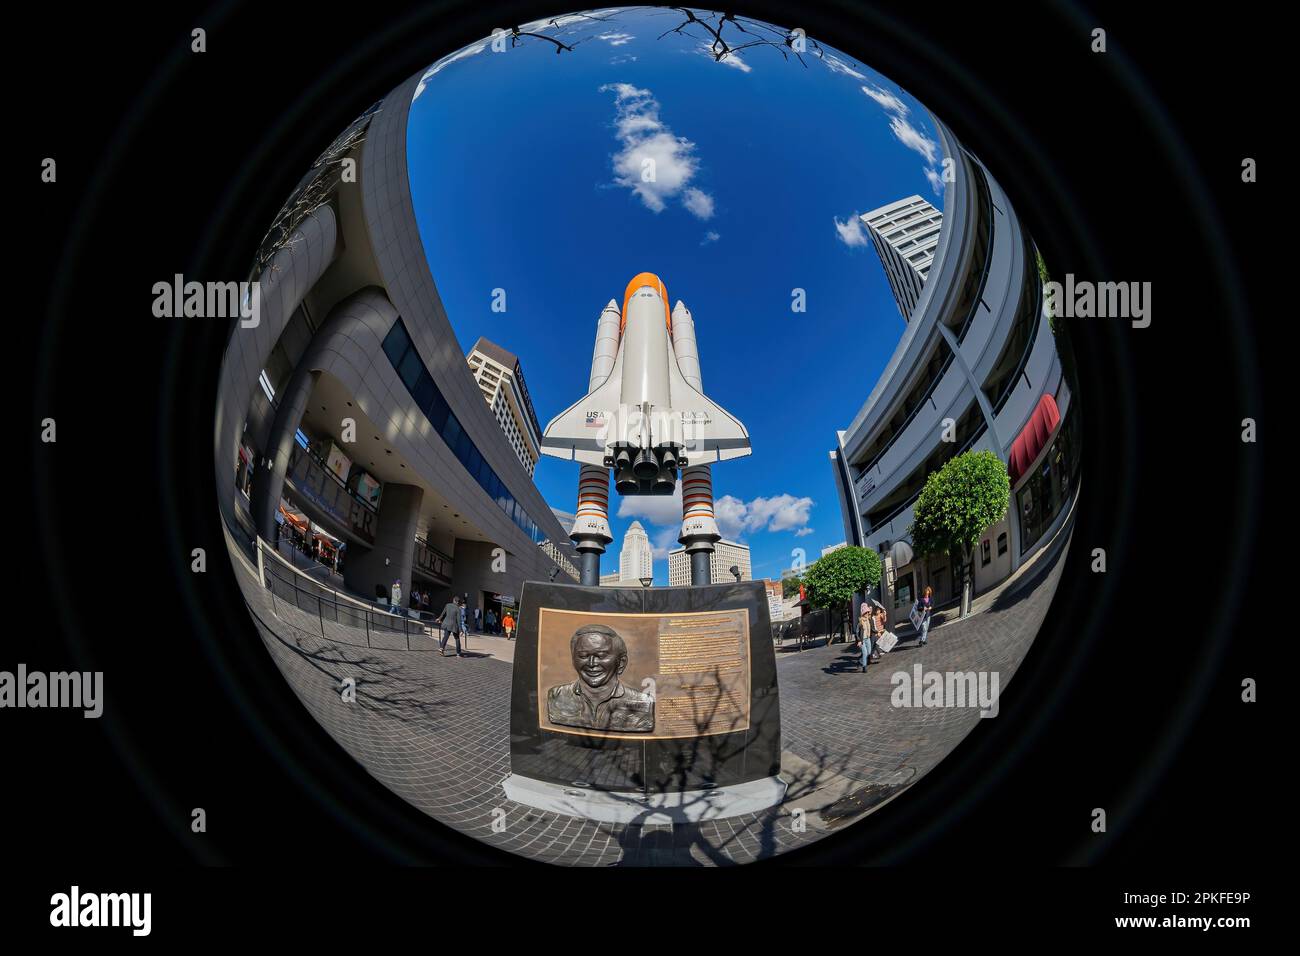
<point>525,174</point>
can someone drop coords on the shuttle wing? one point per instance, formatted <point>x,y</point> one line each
<point>709,432</point>
<point>583,430</point>
<point>588,430</point>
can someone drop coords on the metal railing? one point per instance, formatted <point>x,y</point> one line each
<point>343,615</point>
<point>806,630</point>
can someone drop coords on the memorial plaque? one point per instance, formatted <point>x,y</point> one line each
<point>657,676</point>
<point>645,690</point>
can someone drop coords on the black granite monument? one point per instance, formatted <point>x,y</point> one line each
<point>645,691</point>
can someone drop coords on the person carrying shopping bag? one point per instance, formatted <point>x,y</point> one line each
<point>885,639</point>
<point>870,634</point>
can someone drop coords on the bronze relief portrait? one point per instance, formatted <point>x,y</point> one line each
<point>598,699</point>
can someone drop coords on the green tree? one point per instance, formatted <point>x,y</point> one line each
<point>790,584</point>
<point>959,502</point>
<point>833,579</point>
<point>1045,277</point>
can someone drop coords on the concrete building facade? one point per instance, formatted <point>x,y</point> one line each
<point>725,555</point>
<point>977,367</point>
<point>351,401</point>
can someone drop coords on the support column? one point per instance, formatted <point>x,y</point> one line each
<point>590,532</point>
<point>268,478</point>
<point>699,526</point>
<point>392,554</point>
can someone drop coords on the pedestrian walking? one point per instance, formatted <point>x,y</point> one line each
<point>885,638</point>
<point>870,633</point>
<point>395,598</point>
<point>922,609</point>
<point>864,625</point>
<point>449,624</point>
<point>478,619</point>
<point>508,622</point>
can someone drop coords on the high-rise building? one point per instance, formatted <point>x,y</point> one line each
<point>501,378</point>
<point>609,580</point>
<point>905,234</point>
<point>635,561</point>
<point>834,547</point>
<point>725,554</point>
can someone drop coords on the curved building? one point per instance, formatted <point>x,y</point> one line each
<point>351,401</point>
<point>977,367</point>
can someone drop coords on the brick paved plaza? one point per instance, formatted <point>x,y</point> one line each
<point>435,730</point>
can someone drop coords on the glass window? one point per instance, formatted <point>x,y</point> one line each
<point>410,369</point>
<point>985,553</point>
<point>451,432</point>
<point>396,343</point>
<point>903,591</point>
<point>1002,544</point>
<point>463,447</point>
<point>473,462</point>
<point>423,391</point>
<point>437,411</point>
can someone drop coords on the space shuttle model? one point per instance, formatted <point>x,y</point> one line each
<point>645,417</point>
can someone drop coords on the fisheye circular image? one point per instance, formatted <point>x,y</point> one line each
<point>647,440</point>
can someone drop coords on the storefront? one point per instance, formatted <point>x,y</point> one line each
<point>1044,474</point>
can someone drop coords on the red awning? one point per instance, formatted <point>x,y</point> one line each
<point>1033,437</point>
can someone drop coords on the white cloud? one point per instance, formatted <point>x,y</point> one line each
<point>852,232</point>
<point>779,513</point>
<point>657,510</point>
<point>663,541</point>
<point>913,138</point>
<point>804,531</point>
<point>649,146</point>
<point>730,58</point>
<point>559,23</point>
<point>698,202</point>
<point>936,180</point>
<point>907,134</point>
<point>616,39</point>
<point>886,99</point>
<point>446,61</point>
<point>709,237</point>
<point>836,65</point>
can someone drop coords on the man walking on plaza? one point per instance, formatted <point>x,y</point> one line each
<point>395,598</point>
<point>449,622</point>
